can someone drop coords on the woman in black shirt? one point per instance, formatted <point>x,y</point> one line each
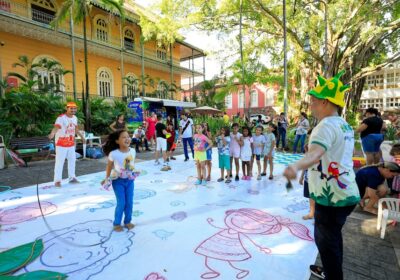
<point>371,137</point>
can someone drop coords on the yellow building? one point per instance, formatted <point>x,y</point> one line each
<point>115,49</point>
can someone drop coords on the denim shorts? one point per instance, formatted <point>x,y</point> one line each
<point>372,143</point>
<point>209,154</point>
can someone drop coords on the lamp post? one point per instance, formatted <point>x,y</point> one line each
<point>307,46</point>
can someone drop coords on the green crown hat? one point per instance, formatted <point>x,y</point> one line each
<point>332,89</point>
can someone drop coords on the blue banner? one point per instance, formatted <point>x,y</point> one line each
<point>135,112</point>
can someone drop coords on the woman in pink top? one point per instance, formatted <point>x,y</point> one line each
<point>151,128</point>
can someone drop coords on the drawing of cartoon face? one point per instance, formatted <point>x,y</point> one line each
<point>78,258</point>
<point>250,221</point>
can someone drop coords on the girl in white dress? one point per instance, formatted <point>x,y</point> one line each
<point>246,151</point>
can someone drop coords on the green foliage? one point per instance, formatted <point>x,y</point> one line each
<point>391,132</point>
<point>215,124</point>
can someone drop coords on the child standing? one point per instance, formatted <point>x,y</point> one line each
<point>234,149</point>
<point>120,171</point>
<point>161,144</point>
<point>200,154</point>
<point>258,148</point>
<point>223,143</point>
<point>395,153</point>
<point>246,152</point>
<point>207,133</point>
<point>269,148</point>
<point>170,141</point>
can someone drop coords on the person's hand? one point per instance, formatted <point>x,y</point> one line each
<point>290,172</point>
<point>301,181</point>
<point>51,136</point>
<point>306,148</point>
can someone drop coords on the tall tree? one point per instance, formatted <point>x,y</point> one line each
<point>357,41</point>
<point>81,11</point>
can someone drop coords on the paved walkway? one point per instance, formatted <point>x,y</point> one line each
<point>366,256</point>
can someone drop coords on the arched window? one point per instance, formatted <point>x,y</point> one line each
<point>105,82</point>
<point>162,52</point>
<point>49,74</point>
<point>129,40</point>
<point>43,11</point>
<point>131,86</point>
<point>254,98</point>
<point>101,30</point>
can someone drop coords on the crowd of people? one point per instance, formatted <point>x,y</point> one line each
<point>333,186</point>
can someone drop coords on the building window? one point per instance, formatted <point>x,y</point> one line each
<point>254,98</point>
<point>162,53</point>
<point>228,101</point>
<point>241,100</point>
<point>43,11</point>
<point>50,74</point>
<point>131,86</point>
<point>129,40</point>
<point>104,82</point>
<point>101,30</point>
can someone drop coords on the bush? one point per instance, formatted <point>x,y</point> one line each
<point>215,124</point>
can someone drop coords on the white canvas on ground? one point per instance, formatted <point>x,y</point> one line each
<point>242,230</point>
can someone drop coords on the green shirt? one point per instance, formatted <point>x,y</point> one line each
<point>332,181</point>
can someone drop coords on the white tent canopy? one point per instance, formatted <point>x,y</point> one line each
<point>168,102</point>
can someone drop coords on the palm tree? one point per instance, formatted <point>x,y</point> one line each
<point>81,10</point>
<point>144,82</point>
<point>132,83</point>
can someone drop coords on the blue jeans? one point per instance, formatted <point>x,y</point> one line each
<point>329,221</point>
<point>185,150</point>
<point>281,136</point>
<point>123,189</point>
<point>372,143</point>
<point>302,139</point>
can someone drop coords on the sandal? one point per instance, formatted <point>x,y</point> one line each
<point>220,180</point>
<point>317,271</point>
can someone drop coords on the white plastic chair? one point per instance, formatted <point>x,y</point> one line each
<point>391,213</point>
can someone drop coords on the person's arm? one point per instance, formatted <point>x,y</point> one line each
<point>315,152</point>
<point>112,126</point>
<point>108,171</point>
<point>301,180</point>
<point>361,128</point>
<point>210,143</point>
<point>77,131</point>
<point>53,132</point>
<point>272,147</point>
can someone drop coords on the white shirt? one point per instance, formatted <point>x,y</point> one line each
<point>136,132</point>
<point>65,136</point>
<point>188,133</point>
<point>124,163</point>
<point>332,180</point>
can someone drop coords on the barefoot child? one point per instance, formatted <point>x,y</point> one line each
<point>120,173</point>
<point>269,148</point>
<point>235,149</point>
<point>200,154</point>
<point>223,142</point>
<point>246,149</point>
<point>258,148</point>
<point>207,133</point>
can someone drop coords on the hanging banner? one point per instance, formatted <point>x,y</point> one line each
<point>135,112</point>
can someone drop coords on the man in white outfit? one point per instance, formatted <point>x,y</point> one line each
<point>65,128</point>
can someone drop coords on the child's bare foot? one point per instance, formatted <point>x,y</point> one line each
<point>118,228</point>
<point>308,217</point>
<point>129,226</point>
<point>370,210</point>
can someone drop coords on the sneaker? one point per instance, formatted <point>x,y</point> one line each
<point>165,168</point>
<point>173,158</point>
<point>204,183</point>
<point>208,179</point>
<point>237,178</point>
<point>198,182</point>
<point>220,180</point>
<point>317,271</point>
<point>244,178</point>
<point>74,181</point>
<point>259,177</point>
<point>227,181</point>
<point>271,177</point>
<point>263,174</point>
<point>186,159</point>
<point>156,162</point>
<point>57,184</point>
<point>149,150</point>
<point>118,228</point>
<point>248,178</point>
<point>129,226</point>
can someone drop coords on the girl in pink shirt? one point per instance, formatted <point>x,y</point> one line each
<point>200,154</point>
